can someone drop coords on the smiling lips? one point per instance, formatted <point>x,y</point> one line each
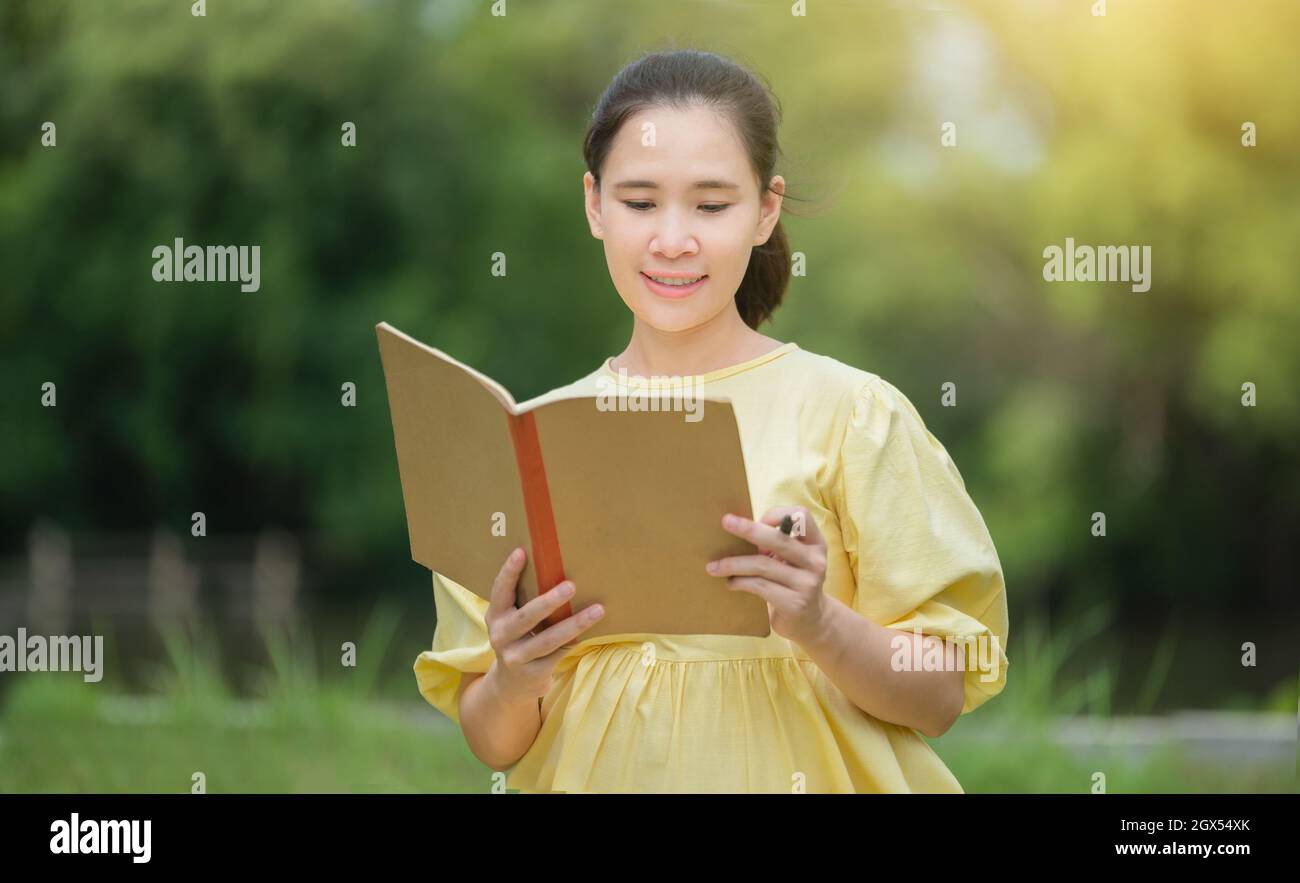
<point>674,289</point>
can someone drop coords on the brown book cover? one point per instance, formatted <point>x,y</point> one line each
<point>627,504</point>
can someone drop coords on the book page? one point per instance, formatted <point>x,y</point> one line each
<point>638,498</point>
<point>456,459</point>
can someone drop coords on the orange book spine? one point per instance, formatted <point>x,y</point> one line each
<point>537,504</point>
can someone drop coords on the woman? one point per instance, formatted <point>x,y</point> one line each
<point>886,602</point>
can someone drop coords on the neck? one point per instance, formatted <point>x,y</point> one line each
<point>723,341</point>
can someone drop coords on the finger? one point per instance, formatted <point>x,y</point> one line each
<point>558,639</point>
<point>546,664</point>
<point>523,621</point>
<point>805,535</point>
<point>770,539</point>
<point>758,565</point>
<point>504,587</point>
<point>545,649</point>
<point>805,529</point>
<point>756,585</point>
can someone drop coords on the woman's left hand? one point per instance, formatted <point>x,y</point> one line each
<point>788,573</point>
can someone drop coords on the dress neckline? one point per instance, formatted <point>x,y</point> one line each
<point>719,373</point>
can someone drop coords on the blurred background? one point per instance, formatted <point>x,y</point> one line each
<point>924,265</point>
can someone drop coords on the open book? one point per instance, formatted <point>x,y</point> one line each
<point>627,504</point>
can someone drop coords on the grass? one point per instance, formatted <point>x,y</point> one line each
<point>299,733</point>
<point>1006,745</point>
<point>302,732</point>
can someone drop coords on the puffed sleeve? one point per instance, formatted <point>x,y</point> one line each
<point>460,644</point>
<point>920,552</point>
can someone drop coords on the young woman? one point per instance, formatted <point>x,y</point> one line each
<point>887,608</point>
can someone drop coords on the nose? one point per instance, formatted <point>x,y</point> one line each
<point>673,236</point>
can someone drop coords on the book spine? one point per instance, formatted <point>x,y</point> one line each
<point>547,564</point>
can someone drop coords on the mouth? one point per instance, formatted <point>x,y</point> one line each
<point>678,287</point>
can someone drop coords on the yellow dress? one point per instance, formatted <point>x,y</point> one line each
<point>906,548</point>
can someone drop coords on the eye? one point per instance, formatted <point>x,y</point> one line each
<point>710,208</point>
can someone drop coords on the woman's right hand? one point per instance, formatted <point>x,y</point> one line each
<point>526,659</point>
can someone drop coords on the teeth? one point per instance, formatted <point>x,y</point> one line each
<point>676,281</point>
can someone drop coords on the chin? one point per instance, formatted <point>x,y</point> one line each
<point>668,316</point>
<point>668,319</point>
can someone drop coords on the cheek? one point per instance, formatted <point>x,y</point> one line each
<point>627,247</point>
<point>731,238</point>
<point>726,255</point>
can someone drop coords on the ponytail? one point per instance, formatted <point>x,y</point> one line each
<point>766,279</point>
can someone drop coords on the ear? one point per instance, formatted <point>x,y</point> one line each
<point>591,199</point>
<point>769,204</point>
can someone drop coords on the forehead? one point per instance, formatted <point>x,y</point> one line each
<point>674,147</point>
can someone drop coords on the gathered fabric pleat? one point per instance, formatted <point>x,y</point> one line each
<point>769,724</point>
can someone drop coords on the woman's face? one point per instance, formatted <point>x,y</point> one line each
<point>678,198</point>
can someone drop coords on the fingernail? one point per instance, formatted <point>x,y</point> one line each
<point>596,610</point>
<point>566,589</point>
<point>516,556</point>
<point>711,566</point>
<point>729,520</point>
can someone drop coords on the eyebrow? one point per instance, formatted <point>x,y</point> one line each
<point>712,184</point>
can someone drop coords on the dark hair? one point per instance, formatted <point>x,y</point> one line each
<point>687,77</point>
